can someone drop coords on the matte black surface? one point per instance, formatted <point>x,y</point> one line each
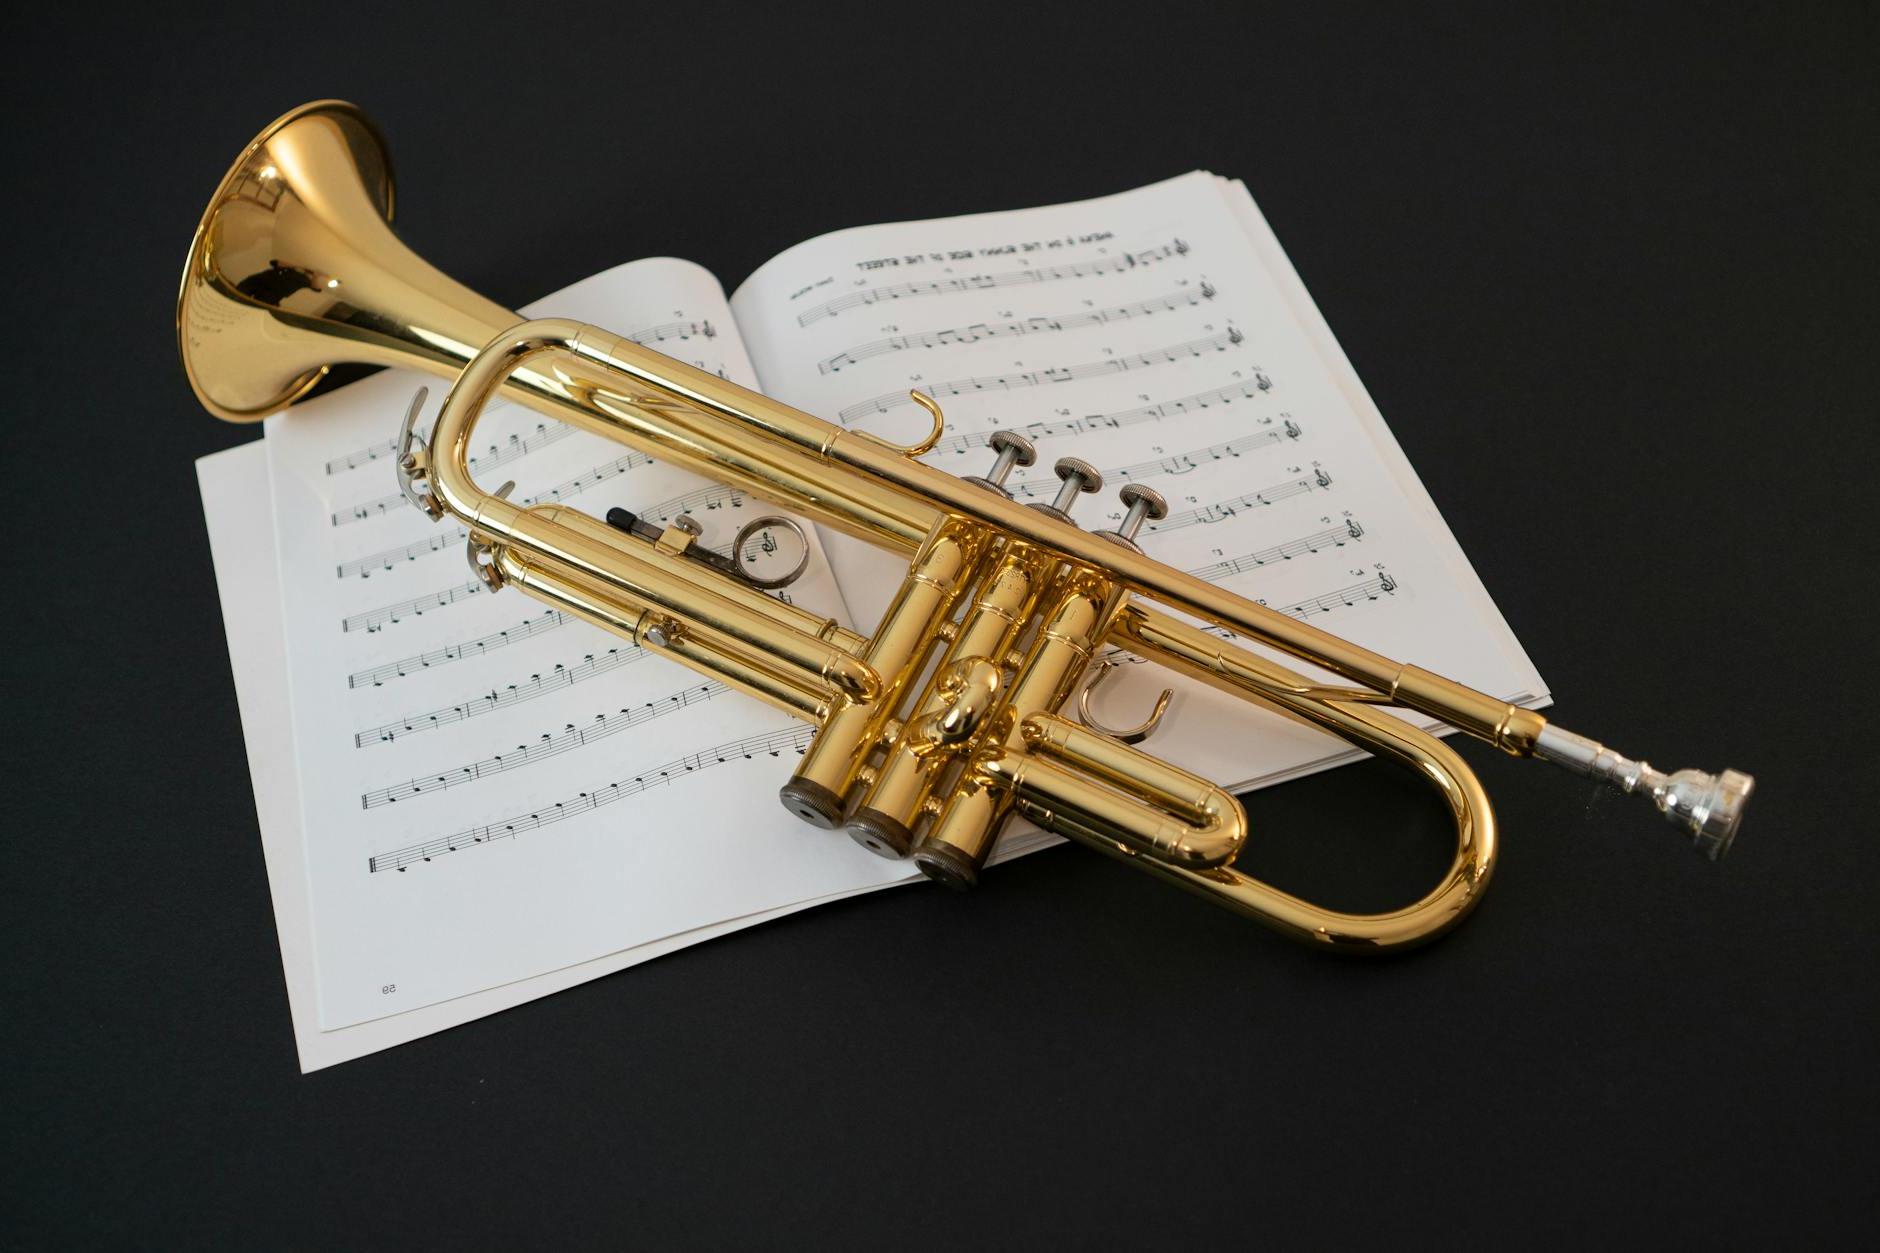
<point>1611,277</point>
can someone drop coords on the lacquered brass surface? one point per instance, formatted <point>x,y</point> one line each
<point>941,724</point>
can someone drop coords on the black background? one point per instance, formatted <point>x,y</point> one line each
<point>1610,275</point>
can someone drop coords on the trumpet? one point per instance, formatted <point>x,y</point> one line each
<point>948,720</point>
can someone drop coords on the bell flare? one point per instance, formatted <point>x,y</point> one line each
<point>294,268</point>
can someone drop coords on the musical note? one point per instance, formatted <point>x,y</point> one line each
<point>1038,485</point>
<point>552,744</point>
<point>708,499</point>
<point>364,456</point>
<point>1305,545</point>
<point>773,744</point>
<point>545,433</point>
<point>365,567</point>
<point>1220,511</point>
<point>889,401</point>
<point>985,282</point>
<point>961,335</point>
<point>377,507</point>
<point>561,491</point>
<point>1344,597</point>
<point>552,680</point>
<point>373,620</point>
<point>672,330</point>
<point>378,676</point>
<point>975,440</point>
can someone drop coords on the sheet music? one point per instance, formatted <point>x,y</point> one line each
<point>491,790</point>
<point>494,800</point>
<point>238,509</point>
<point>1161,336</point>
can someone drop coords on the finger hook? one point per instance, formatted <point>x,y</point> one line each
<point>1135,735</point>
<point>933,436</point>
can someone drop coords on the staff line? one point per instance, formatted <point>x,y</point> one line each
<point>378,676</point>
<point>961,335</point>
<point>1230,338</point>
<point>1332,537</point>
<point>539,684</point>
<point>983,282</point>
<point>549,744</point>
<point>712,497</point>
<point>774,744</point>
<point>1220,511</point>
<point>645,335</point>
<point>1036,485</point>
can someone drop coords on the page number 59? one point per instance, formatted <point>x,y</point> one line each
<point>388,989</point>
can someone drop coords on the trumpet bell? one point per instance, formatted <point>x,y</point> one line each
<point>294,268</point>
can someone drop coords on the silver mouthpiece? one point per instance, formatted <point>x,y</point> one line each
<point>1709,806</point>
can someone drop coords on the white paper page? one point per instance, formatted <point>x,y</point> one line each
<point>1240,202</point>
<point>1158,335</point>
<point>489,791</point>
<point>240,520</point>
<point>238,509</point>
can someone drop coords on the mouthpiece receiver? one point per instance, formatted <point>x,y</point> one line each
<point>1708,806</point>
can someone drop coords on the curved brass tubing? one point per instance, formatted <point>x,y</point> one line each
<point>1101,791</point>
<point>1195,652</point>
<point>730,629</point>
<point>1443,907</point>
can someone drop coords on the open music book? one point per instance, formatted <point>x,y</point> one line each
<point>492,800</point>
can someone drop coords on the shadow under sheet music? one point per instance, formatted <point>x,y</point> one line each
<point>479,800</point>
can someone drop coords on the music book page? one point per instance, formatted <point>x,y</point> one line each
<point>239,512</point>
<point>490,789</point>
<point>1161,336</point>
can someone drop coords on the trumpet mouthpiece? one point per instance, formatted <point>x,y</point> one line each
<point>1707,806</point>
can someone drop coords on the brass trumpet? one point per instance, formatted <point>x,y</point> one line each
<point>295,268</point>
